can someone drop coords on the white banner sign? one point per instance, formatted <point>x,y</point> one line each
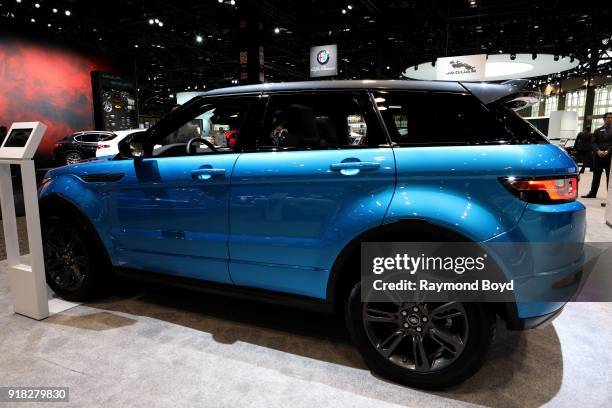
<point>461,68</point>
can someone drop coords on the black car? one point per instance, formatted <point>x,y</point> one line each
<point>79,146</point>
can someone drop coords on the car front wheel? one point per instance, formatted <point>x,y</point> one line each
<point>71,267</point>
<point>423,345</point>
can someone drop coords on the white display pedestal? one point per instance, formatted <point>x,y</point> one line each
<point>27,282</point>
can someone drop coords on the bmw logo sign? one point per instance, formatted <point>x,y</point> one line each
<point>323,57</point>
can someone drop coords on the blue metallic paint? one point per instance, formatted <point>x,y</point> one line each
<point>281,219</point>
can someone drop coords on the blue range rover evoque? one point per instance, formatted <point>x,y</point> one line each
<point>267,191</point>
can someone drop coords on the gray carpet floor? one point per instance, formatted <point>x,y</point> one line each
<point>155,347</point>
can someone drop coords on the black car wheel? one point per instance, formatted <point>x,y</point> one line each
<point>73,158</point>
<point>69,249</point>
<point>423,345</point>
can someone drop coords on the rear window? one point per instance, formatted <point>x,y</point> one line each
<point>437,119</point>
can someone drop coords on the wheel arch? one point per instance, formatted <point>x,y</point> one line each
<point>346,269</point>
<point>55,204</point>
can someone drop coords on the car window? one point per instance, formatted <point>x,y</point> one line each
<point>318,121</point>
<point>89,137</point>
<point>218,121</point>
<point>440,118</point>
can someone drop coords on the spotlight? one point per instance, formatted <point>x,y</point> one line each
<point>199,38</point>
<point>151,21</point>
<point>276,30</point>
<point>534,56</point>
<point>343,11</point>
<point>37,5</point>
<point>67,12</point>
<point>349,7</point>
<point>512,56</point>
<point>556,58</point>
<point>54,10</point>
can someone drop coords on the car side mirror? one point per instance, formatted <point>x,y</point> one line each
<point>133,146</point>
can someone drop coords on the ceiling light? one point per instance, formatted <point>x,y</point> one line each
<point>37,5</point>
<point>151,21</point>
<point>156,20</point>
<point>32,20</point>
<point>199,38</point>
<point>343,11</point>
<point>67,12</point>
<point>232,2</point>
<point>54,10</point>
<point>349,7</point>
<point>18,1</point>
<point>277,30</point>
<point>135,45</point>
<point>160,24</point>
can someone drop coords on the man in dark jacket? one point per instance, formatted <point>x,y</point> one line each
<point>583,151</point>
<point>602,152</point>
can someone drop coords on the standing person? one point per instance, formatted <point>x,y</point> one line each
<point>583,149</point>
<point>602,152</point>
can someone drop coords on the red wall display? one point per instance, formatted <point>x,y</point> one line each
<point>47,83</point>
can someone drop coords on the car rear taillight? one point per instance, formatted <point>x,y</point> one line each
<point>543,190</point>
<point>102,146</point>
<point>57,145</point>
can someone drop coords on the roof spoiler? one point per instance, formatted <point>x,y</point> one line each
<point>513,93</point>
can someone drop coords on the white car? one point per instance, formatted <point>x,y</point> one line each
<point>110,146</point>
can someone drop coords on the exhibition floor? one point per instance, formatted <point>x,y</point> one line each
<point>151,346</point>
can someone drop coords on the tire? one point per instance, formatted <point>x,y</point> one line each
<point>72,259</point>
<point>394,357</point>
<point>73,158</point>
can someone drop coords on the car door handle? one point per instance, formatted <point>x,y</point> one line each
<point>206,173</point>
<point>355,166</point>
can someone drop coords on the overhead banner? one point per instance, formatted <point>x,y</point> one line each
<point>461,68</point>
<point>324,61</point>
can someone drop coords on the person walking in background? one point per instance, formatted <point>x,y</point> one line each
<point>583,149</point>
<point>602,151</point>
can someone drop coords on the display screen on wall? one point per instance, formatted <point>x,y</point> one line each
<point>115,101</point>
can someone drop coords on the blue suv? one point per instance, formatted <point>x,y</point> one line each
<point>267,191</point>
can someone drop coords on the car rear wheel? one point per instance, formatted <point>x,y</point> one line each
<point>423,345</point>
<point>73,158</point>
<point>71,269</point>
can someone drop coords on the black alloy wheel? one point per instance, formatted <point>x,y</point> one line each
<point>71,271</point>
<point>417,336</point>
<point>424,345</point>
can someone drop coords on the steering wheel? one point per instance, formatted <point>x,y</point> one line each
<point>200,140</point>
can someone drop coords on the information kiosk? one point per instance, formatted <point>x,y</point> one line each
<point>27,281</point>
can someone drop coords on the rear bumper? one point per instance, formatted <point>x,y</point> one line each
<point>547,264</point>
<point>514,322</point>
